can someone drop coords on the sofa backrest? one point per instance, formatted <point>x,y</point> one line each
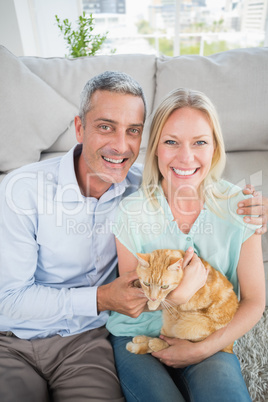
<point>40,98</point>
<point>237,83</point>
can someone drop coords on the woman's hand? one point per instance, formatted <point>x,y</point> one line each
<point>181,353</point>
<point>194,278</point>
<point>257,205</point>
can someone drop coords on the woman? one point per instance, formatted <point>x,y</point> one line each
<point>184,203</point>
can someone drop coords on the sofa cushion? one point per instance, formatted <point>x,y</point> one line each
<point>237,83</point>
<point>32,115</point>
<point>68,77</point>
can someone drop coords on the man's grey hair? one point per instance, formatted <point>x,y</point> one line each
<point>112,81</point>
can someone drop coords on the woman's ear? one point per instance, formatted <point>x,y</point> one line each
<point>79,130</point>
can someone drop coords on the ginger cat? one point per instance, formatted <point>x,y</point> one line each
<point>212,307</point>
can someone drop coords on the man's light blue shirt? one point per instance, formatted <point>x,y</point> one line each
<point>56,248</point>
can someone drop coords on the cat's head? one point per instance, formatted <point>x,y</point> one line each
<point>159,273</point>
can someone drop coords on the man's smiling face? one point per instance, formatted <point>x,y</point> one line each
<point>111,139</point>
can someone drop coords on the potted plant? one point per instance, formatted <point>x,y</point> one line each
<point>81,42</point>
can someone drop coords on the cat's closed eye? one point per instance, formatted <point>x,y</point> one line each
<point>146,283</point>
<point>164,286</point>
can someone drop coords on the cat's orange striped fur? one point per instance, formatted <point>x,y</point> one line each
<point>211,308</point>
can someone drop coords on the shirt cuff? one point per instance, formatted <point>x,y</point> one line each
<point>84,301</point>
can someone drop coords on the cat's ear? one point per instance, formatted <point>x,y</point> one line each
<point>143,260</point>
<point>175,264</point>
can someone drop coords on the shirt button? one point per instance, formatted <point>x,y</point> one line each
<point>188,238</point>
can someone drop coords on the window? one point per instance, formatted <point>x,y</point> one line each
<point>203,26</point>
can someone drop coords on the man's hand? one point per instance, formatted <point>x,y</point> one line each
<point>257,205</point>
<point>180,353</point>
<point>121,296</point>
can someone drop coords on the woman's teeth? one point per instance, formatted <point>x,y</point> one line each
<point>113,160</point>
<point>184,172</point>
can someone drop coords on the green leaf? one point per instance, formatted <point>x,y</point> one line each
<point>81,42</point>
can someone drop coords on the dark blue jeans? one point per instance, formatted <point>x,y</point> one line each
<point>143,378</point>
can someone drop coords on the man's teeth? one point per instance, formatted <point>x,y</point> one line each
<point>184,172</point>
<point>113,160</point>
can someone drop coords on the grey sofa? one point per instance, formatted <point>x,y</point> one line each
<point>39,99</point>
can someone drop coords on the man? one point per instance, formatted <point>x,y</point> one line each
<point>58,257</point>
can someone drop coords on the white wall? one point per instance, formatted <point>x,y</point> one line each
<point>9,28</point>
<point>51,41</point>
<point>28,27</point>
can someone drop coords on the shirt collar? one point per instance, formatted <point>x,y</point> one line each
<point>114,191</point>
<point>163,203</point>
<point>68,189</point>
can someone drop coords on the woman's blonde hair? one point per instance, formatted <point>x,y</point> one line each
<point>177,99</point>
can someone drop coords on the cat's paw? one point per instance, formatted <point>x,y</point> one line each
<point>141,339</point>
<point>132,347</point>
<point>157,344</point>
<point>138,348</point>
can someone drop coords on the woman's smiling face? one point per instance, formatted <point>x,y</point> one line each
<point>185,150</point>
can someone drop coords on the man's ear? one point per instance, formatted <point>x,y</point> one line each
<point>79,130</point>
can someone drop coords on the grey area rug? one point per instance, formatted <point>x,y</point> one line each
<point>252,351</point>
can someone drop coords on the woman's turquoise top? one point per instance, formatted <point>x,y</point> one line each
<point>142,228</point>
